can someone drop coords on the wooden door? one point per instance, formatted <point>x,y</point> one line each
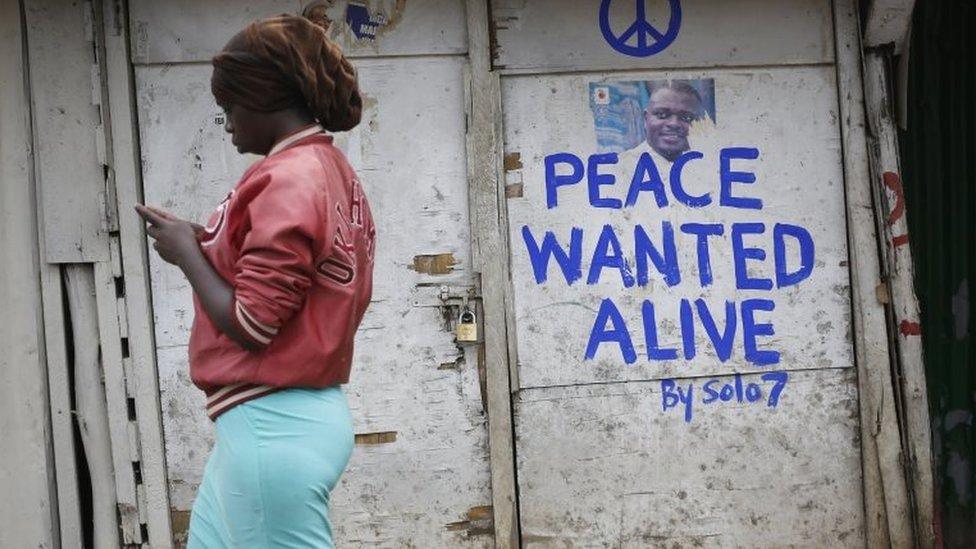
<point>683,310</point>
<point>419,476</point>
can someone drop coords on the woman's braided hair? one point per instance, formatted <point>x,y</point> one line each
<point>288,61</point>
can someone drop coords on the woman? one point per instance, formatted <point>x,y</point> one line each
<point>281,276</point>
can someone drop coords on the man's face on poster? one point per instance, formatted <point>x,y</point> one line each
<point>668,119</point>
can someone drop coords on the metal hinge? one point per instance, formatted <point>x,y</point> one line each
<point>455,294</point>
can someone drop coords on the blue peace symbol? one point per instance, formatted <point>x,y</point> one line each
<point>641,29</point>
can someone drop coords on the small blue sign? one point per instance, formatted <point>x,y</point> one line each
<point>649,40</point>
<point>363,24</point>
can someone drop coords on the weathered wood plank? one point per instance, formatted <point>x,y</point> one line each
<point>91,408</point>
<point>70,181</point>
<point>188,31</point>
<point>116,405</point>
<point>890,207</point>
<point>885,492</point>
<point>62,415</point>
<point>552,35</point>
<point>489,230</point>
<point>125,171</point>
<point>603,465</point>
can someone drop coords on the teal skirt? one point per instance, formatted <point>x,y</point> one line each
<point>273,467</point>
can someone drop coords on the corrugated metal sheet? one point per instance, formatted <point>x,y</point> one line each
<point>939,165</point>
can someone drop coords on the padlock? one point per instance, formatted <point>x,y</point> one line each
<point>467,326</point>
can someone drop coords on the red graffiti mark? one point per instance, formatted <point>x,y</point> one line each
<point>893,182</point>
<point>909,328</point>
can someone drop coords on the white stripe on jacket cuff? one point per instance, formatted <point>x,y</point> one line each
<point>257,331</point>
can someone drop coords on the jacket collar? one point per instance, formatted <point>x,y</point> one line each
<point>294,137</point>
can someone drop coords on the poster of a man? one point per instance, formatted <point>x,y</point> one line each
<point>670,112</point>
<point>660,115</point>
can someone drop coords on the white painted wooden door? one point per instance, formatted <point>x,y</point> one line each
<point>685,363</point>
<point>419,476</point>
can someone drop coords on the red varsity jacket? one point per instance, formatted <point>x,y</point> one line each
<point>296,240</point>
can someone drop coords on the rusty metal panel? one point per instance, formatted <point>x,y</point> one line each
<point>186,30</point>
<point>420,473</point>
<point>790,116</point>
<point>551,35</point>
<point>600,466</point>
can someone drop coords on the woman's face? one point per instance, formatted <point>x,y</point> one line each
<point>248,129</point>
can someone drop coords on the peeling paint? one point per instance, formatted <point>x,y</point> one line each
<point>359,21</point>
<point>480,521</point>
<point>882,293</point>
<point>180,520</point>
<point>513,161</point>
<point>385,437</point>
<point>514,190</point>
<point>455,365</point>
<point>434,264</point>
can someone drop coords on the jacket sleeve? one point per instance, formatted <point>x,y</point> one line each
<point>285,225</point>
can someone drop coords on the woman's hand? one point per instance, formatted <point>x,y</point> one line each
<point>177,243</point>
<point>175,238</point>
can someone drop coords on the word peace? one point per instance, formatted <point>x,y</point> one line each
<point>566,169</point>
